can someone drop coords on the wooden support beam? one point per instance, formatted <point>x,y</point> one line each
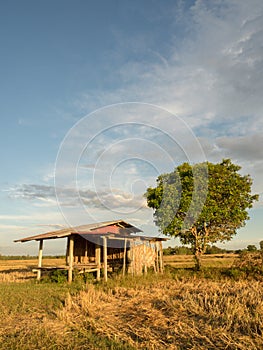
<point>157,257</point>
<point>161,256</point>
<point>124,257</point>
<point>97,260</point>
<point>40,255</point>
<point>105,256</point>
<point>67,252</point>
<point>71,258</point>
<point>86,252</point>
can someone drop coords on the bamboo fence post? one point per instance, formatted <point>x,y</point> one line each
<point>40,255</point>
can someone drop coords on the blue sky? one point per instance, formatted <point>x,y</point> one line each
<point>103,96</point>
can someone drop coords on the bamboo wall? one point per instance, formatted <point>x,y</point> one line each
<point>139,256</point>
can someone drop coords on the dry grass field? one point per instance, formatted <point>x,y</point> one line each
<point>21,270</point>
<point>169,314</point>
<point>178,310</point>
<point>210,260</point>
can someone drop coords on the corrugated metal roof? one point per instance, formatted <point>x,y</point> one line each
<point>80,229</point>
<point>91,236</point>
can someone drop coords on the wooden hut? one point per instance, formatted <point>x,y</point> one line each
<point>110,245</point>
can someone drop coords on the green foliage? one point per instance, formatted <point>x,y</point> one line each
<point>178,251</point>
<point>234,273</point>
<point>202,203</point>
<point>86,277</point>
<point>29,257</point>
<point>213,249</point>
<point>251,248</point>
<point>17,257</point>
<point>183,250</point>
<point>58,276</point>
<point>261,245</point>
<point>61,277</point>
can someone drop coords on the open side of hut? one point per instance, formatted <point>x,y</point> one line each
<point>110,245</point>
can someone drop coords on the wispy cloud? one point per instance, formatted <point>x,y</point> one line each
<point>213,79</point>
<point>247,147</point>
<point>213,74</point>
<point>8,227</point>
<point>52,226</point>
<point>70,197</point>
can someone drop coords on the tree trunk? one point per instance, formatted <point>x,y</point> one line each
<point>198,259</point>
<point>197,248</point>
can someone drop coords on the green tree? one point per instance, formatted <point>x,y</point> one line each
<point>202,203</point>
<point>214,250</point>
<point>261,245</point>
<point>251,248</point>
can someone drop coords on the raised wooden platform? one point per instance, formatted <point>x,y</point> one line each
<point>81,267</point>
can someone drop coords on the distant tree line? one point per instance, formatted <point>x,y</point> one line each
<point>182,250</point>
<point>211,249</point>
<point>28,257</point>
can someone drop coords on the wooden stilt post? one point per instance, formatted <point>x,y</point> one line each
<point>71,258</point>
<point>86,253</point>
<point>161,256</point>
<point>157,257</point>
<point>97,260</point>
<point>40,255</point>
<point>105,256</point>
<point>124,257</point>
<point>67,252</point>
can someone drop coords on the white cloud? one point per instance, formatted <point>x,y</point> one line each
<point>11,227</point>
<point>71,197</point>
<point>213,79</point>
<point>215,74</point>
<point>249,147</point>
<point>15,217</point>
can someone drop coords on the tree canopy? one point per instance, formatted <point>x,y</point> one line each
<point>201,203</point>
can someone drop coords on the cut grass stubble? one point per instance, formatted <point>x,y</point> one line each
<point>169,314</point>
<point>177,310</point>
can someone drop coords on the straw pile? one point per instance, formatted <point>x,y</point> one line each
<point>173,315</point>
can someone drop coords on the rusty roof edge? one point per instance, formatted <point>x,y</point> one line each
<point>107,223</point>
<point>121,236</point>
<point>41,236</point>
<point>65,232</point>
